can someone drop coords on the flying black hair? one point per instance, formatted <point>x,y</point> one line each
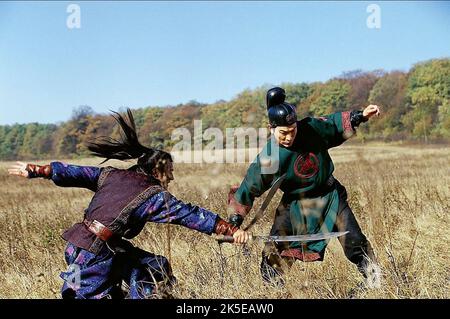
<point>129,147</point>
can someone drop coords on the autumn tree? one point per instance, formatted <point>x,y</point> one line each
<point>428,99</point>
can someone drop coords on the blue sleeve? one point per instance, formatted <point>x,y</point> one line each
<point>165,208</point>
<point>66,175</point>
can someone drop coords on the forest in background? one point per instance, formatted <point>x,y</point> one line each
<point>415,107</point>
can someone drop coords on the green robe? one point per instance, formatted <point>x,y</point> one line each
<point>308,166</point>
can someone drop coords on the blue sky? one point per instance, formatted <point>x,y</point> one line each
<point>163,53</point>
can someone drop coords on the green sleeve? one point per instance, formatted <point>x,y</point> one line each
<point>334,129</point>
<point>254,184</point>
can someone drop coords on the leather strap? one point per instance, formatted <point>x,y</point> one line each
<point>224,228</point>
<point>34,171</point>
<point>98,229</point>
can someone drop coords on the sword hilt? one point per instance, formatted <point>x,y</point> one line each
<point>225,239</point>
<point>230,239</point>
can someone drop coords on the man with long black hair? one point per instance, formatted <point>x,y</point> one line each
<point>98,254</point>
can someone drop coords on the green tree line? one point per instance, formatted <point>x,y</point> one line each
<point>415,106</point>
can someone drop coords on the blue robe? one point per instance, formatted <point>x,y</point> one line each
<point>100,276</point>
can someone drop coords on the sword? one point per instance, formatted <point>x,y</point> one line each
<point>266,202</point>
<point>299,238</point>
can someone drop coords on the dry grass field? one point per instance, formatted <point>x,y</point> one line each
<point>399,194</point>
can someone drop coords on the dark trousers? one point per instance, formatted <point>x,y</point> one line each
<point>356,247</point>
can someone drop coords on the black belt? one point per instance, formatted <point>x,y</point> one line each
<point>318,191</point>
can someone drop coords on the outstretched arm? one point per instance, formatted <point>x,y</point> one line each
<point>61,174</point>
<point>338,127</point>
<point>165,208</point>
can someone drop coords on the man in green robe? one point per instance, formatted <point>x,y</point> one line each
<point>313,200</point>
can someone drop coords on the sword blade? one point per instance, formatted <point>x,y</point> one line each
<point>267,200</point>
<point>300,238</point>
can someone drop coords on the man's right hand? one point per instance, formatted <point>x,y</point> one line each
<point>30,170</point>
<point>241,236</point>
<point>18,169</point>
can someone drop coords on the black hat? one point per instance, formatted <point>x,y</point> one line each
<point>280,113</point>
<point>275,96</point>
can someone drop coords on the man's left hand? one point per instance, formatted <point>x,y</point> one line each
<point>371,110</point>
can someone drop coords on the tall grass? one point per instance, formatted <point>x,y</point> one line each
<point>400,196</point>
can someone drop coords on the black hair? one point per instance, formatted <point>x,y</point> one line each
<point>129,147</point>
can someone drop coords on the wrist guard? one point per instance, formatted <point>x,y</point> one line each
<point>34,171</point>
<point>224,228</point>
<point>356,118</point>
<point>236,220</point>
